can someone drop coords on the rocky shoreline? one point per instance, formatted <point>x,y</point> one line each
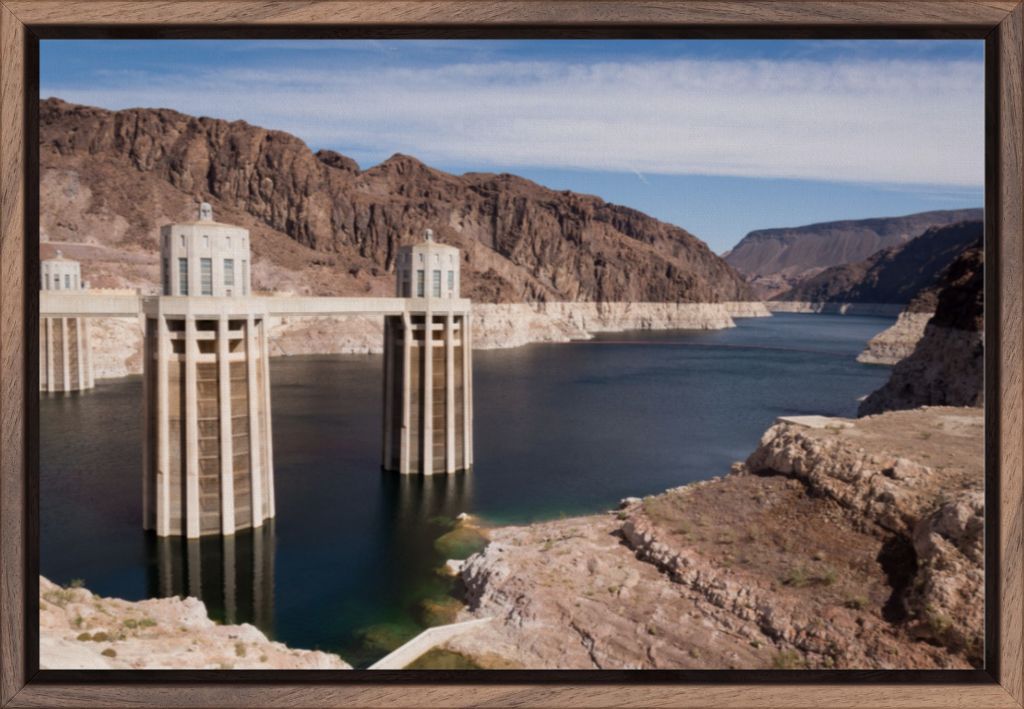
<point>837,544</point>
<point>496,326</point>
<point>897,341</point>
<point>82,631</point>
<point>825,308</point>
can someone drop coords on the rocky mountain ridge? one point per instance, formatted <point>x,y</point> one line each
<point>894,275</point>
<point>775,260</point>
<point>322,226</point>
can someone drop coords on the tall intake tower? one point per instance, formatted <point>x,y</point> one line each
<point>208,462</point>
<point>65,355</point>
<point>428,366</point>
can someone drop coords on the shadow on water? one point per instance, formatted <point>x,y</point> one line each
<point>419,533</point>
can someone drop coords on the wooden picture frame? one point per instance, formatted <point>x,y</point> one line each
<point>999,22</point>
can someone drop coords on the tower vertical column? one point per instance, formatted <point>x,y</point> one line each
<point>387,440</point>
<point>403,464</point>
<point>80,353</point>
<point>163,427</point>
<point>90,381</point>
<point>427,396</point>
<point>269,462</point>
<point>192,509</point>
<point>255,430</point>
<point>227,472</point>
<point>149,442</point>
<point>449,391</point>
<point>65,383</point>
<point>467,392</point>
<point>49,355</point>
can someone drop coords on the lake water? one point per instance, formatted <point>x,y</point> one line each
<point>349,564</point>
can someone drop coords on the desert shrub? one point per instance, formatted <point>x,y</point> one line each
<point>799,577</point>
<point>787,660</point>
<point>856,603</point>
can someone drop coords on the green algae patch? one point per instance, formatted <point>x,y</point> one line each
<point>441,659</point>
<point>385,637</point>
<point>439,611</point>
<point>461,542</point>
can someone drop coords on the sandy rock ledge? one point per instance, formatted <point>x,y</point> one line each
<point>80,630</point>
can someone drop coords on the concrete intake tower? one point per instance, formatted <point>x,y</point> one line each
<point>208,457</point>
<point>428,366</point>
<point>65,355</point>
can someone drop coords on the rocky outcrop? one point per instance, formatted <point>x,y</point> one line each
<point>79,630</point>
<point>947,365</point>
<point>893,275</point>
<point>322,226</point>
<point>897,341</point>
<point>774,260</point>
<point>837,544</point>
<point>116,346</point>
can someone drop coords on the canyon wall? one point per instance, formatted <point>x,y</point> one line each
<point>947,365</point>
<point>322,226</point>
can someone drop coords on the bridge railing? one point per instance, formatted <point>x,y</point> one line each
<point>85,304</point>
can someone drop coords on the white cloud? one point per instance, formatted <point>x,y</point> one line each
<point>892,121</point>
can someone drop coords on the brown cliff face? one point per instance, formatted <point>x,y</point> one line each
<point>947,366</point>
<point>322,226</point>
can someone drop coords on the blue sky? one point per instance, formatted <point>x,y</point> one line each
<point>719,137</point>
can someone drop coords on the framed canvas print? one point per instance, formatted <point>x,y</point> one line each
<point>453,353</point>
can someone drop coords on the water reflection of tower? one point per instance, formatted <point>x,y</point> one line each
<point>416,498</point>
<point>232,574</point>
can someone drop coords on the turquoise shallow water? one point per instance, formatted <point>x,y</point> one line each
<point>560,429</point>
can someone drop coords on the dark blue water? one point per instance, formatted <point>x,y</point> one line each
<point>349,563</point>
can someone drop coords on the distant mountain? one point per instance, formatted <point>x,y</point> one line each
<point>322,226</point>
<point>894,275</point>
<point>774,260</point>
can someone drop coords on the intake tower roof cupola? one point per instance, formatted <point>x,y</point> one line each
<point>204,257</point>
<point>60,273</point>
<point>428,269</point>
